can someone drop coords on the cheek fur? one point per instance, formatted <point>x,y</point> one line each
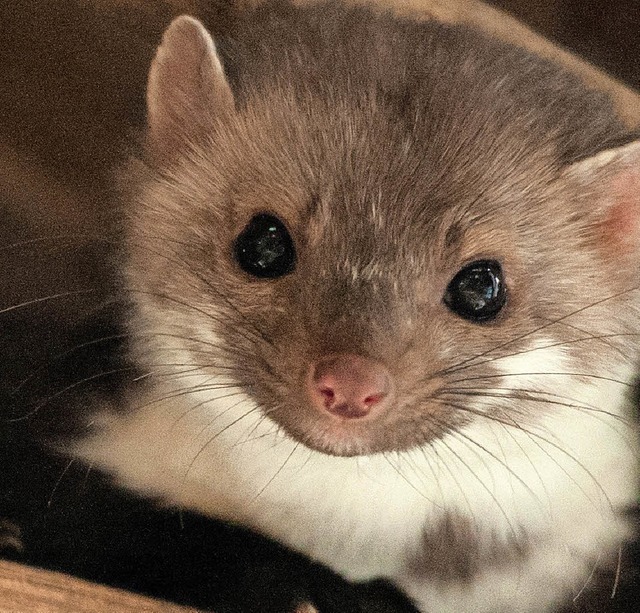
<point>534,365</point>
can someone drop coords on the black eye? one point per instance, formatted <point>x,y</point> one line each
<point>264,248</point>
<point>477,292</point>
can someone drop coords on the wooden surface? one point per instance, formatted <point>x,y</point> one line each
<point>29,590</point>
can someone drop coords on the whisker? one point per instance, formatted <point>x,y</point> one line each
<point>593,412</point>
<point>113,241</point>
<point>484,486</point>
<point>537,439</point>
<point>591,334</point>
<point>210,316</point>
<point>447,465</point>
<point>191,409</point>
<point>117,242</point>
<point>213,438</point>
<point>616,581</point>
<point>223,413</point>
<point>533,465</point>
<point>59,480</point>
<point>589,578</point>
<point>427,459</point>
<point>410,460</point>
<point>193,370</point>
<point>208,425</point>
<point>66,389</point>
<point>185,391</point>
<point>50,297</point>
<point>88,471</point>
<point>181,264</point>
<point>408,481</point>
<point>547,374</point>
<point>41,239</point>
<point>200,404</point>
<point>519,479</point>
<point>61,355</point>
<point>279,471</point>
<point>252,439</point>
<point>530,395</point>
<point>249,436</point>
<point>549,346</point>
<point>462,365</point>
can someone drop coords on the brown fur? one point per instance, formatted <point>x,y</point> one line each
<point>453,551</point>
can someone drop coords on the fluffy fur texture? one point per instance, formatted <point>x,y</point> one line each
<point>395,153</point>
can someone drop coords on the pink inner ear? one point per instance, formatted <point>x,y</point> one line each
<point>186,86</point>
<point>621,227</point>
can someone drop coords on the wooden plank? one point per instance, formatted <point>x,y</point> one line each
<point>32,590</point>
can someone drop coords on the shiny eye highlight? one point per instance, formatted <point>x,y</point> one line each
<point>477,292</point>
<point>265,248</point>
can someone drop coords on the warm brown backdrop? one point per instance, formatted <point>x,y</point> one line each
<point>607,32</point>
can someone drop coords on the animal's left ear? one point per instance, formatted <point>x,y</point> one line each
<point>187,87</point>
<point>611,182</point>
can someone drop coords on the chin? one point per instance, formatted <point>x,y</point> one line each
<point>341,438</point>
<point>346,448</point>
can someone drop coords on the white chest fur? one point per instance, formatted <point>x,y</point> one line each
<point>556,484</point>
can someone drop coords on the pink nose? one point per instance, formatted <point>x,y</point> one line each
<point>349,386</point>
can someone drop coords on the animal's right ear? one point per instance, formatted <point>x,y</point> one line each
<point>187,87</point>
<point>612,180</point>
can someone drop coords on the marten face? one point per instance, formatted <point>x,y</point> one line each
<point>375,266</point>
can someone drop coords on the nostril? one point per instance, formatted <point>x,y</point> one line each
<point>374,399</point>
<point>328,394</point>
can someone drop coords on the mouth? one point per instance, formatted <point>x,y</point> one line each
<point>346,437</point>
<point>329,434</point>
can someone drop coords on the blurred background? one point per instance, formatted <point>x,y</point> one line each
<point>606,32</point>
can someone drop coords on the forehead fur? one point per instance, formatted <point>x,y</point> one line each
<point>443,77</point>
<point>384,117</point>
<point>370,136</point>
